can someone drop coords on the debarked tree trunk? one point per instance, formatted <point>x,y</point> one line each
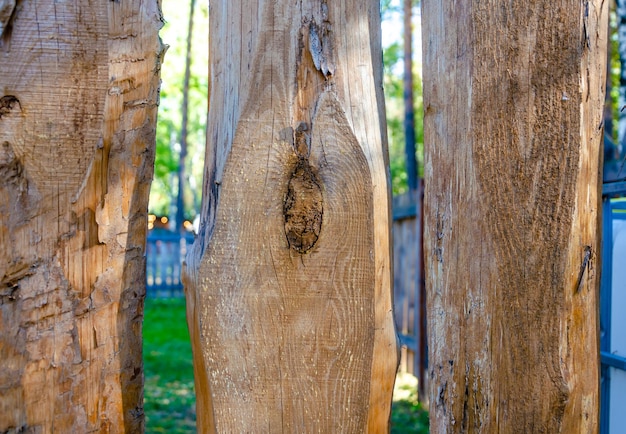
<point>78,101</point>
<point>513,97</point>
<point>288,284</point>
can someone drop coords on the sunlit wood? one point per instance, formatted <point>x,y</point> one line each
<point>78,98</point>
<point>288,284</point>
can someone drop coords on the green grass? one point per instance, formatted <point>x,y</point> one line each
<point>169,399</point>
<point>407,413</point>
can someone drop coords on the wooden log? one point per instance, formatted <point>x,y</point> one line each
<point>513,96</point>
<point>78,100</point>
<point>289,282</point>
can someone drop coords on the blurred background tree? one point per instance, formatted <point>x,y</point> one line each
<point>393,15</point>
<point>614,111</point>
<point>164,191</point>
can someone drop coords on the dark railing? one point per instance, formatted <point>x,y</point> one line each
<point>409,301</point>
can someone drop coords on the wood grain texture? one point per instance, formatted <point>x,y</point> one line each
<point>79,91</point>
<point>289,283</point>
<point>513,93</point>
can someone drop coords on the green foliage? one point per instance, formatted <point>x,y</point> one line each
<point>387,7</point>
<point>407,414</point>
<point>174,33</point>
<point>394,103</point>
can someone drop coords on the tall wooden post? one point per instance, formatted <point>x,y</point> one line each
<point>513,97</point>
<point>288,283</point>
<point>78,100</point>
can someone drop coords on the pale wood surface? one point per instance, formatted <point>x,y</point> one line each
<point>78,95</point>
<point>513,97</point>
<point>289,283</point>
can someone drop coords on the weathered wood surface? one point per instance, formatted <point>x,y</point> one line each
<point>78,94</point>
<point>513,96</point>
<point>289,282</point>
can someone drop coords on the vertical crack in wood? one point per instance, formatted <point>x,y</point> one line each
<point>583,267</point>
<point>303,205</point>
<point>321,49</point>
